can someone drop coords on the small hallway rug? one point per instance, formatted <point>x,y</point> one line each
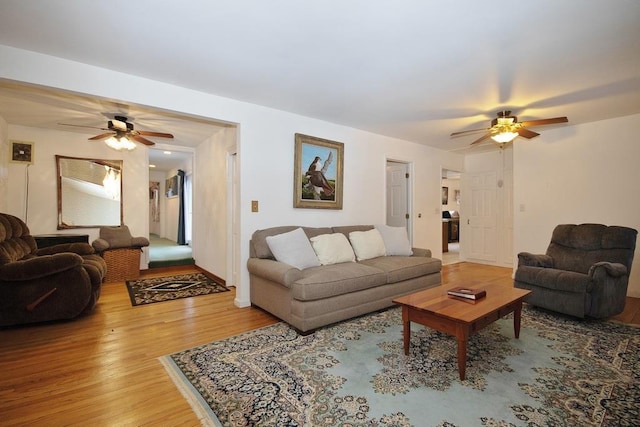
<point>151,290</point>
<point>561,372</point>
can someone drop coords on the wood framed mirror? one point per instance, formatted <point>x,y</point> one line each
<point>89,192</point>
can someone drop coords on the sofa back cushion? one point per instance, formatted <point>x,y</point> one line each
<point>293,248</point>
<point>332,248</point>
<point>346,229</point>
<point>578,247</point>
<point>367,244</point>
<point>16,241</point>
<point>396,240</point>
<point>259,247</point>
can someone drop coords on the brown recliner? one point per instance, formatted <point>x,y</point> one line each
<point>53,283</point>
<point>585,271</point>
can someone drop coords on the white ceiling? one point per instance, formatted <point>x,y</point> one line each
<point>416,70</point>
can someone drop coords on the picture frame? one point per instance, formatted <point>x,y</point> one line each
<point>318,173</point>
<point>21,151</point>
<point>445,195</point>
<point>171,187</point>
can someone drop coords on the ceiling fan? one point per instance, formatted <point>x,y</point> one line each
<point>505,128</point>
<point>121,132</point>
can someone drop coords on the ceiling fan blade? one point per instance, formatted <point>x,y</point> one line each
<point>544,121</point>
<point>527,133</point>
<point>156,134</point>
<point>101,136</point>
<point>483,137</point>
<point>465,132</point>
<point>142,140</point>
<point>82,126</point>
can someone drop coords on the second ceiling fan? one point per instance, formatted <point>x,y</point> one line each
<point>505,128</point>
<point>120,128</point>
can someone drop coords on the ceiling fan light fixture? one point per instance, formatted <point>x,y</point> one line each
<point>120,142</point>
<point>504,137</point>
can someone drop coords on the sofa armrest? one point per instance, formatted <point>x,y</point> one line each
<point>39,267</point>
<point>611,269</point>
<point>274,271</point>
<point>534,260</point>
<point>421,252</point>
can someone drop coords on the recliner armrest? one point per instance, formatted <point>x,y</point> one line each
<point>612,269</point>
<point>79,248</point>
<point>535,260</point>
<point>39,267</point>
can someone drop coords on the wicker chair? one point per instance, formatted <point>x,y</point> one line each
<point>121,252</point>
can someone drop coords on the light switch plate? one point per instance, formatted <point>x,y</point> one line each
<point>254,206</point>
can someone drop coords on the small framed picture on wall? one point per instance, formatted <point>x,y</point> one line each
<point>171,187</point>
<point>21,151</point>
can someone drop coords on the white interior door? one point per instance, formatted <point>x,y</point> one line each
<point>397,194</point>
<point>480,241</point>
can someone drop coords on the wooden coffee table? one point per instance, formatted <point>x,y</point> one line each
<point>458,317</point>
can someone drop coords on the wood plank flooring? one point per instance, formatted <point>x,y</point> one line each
<point>103,369</point>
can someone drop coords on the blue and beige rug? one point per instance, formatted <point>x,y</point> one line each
<point>158,289</point>
<point>561,372</point>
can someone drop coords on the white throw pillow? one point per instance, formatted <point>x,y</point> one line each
<point>332,248</point>
<point>395,240</point>
<point>293,248</point>
<point>367,244</point>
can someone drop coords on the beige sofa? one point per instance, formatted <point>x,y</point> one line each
<point>317,296</point>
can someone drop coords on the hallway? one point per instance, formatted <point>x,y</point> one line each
<point>453,256</point>
<point>166,253</point>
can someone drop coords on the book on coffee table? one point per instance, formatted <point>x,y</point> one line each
<point>469,293</point>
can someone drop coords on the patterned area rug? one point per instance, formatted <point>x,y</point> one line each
<point>561,372</point>
<point>147,291</point>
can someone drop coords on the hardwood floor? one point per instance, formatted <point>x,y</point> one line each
<point>102,369</point>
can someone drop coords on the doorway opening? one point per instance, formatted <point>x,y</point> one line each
<point>450,216</point>
<point>170,208</point>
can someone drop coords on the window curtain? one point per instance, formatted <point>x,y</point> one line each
<point>181,223</point>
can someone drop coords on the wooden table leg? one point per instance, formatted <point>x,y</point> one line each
<point>462,334</point>
<point>406,329</point>
<point>517,316</point>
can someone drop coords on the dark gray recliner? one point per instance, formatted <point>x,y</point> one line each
<point>585,271</point>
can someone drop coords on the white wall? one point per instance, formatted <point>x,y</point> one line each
<point>266,150</point>
<point>578,174</point>
<point>4,165</point>
<point>570,174</point>
<point>42,184</point>
<point>210,203</point>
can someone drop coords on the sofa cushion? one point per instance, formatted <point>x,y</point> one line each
<point>259,247</point>
<point>399,268</point>
<point>367,244</point>
<point>293,248</point>
<point>395,240</point>
<point>551,278</point>
<point>346,229</point>
<point>332,248</point>
<point>116,237</point>
<point>336,279</point>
